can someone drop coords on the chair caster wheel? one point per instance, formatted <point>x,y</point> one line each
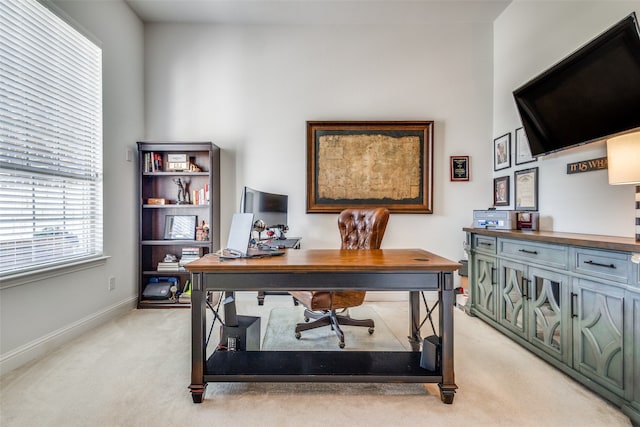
<point>306,319</point>
<point>298,335</point>
<point>371,331</point>
<point>341,345</point>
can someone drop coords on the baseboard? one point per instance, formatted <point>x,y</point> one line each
<point>47,343</point>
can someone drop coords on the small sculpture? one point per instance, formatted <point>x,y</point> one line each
<point>202,231</point>
<point>183,193</point>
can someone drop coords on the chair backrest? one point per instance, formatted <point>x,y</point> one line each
<point>362,228</point>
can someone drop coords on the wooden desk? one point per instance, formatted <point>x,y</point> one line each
<point>412,270</point>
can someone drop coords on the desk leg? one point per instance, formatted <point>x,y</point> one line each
<point>447,297</point>
<point>414,321</point>
<point>198,327</point>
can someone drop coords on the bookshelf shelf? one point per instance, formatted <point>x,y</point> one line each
<point>199,194</point>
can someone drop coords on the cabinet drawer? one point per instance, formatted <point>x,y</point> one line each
<point>603,264</point>
<point>538,253</point>
<point>486,244</point>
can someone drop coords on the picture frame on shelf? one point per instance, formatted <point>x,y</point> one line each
<point>501,191</point>
<point>459,168</point>
<point>523,151</point>
<point>180,227</point>
<point>502,152</point>
<point>526,189</point>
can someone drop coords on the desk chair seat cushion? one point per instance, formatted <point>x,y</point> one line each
<point>322,300</point>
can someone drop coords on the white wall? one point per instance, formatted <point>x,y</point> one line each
<point>39,315</point>
<point>529,37</point>
<point>250,89</point>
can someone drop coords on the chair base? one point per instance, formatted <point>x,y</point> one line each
<point>333,319</point>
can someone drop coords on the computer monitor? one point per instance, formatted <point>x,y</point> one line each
<point>268,207</point>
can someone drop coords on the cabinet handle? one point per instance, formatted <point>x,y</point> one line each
<point>493,275</point>
<point>574,296</point>
<point>486,244</point>
<point>525,286</point>
<point>529,252</point>
<point>599,264</point>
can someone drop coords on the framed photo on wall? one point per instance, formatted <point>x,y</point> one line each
<point>502,152</point>
<point>523,152</point>
<point>501,191</point>
<point>459,168</point>
<point>526,189</point>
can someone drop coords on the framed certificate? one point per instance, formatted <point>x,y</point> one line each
<point>526,189</point>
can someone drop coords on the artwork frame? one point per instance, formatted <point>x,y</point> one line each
<point>459,168</point>
<point>502,152</point>
<point>526,189</point>
<point>522,149</point>
<point>180,227</point>
<point>370,164</point>
<point>501,191</point>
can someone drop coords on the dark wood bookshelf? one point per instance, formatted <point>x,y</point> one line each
<point>159,184</point>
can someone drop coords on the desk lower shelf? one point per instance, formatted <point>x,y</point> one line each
<point>318,366</point>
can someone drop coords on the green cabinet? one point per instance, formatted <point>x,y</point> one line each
<point>573,300</point>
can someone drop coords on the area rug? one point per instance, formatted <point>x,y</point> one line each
<point>280,333</point>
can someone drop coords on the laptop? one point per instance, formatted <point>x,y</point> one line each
<point>239,238</point>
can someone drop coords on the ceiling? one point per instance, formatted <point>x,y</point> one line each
<point>318,11</point>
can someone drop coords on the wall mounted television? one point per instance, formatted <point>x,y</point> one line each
<point>591,94</point>
<point>269,207</point>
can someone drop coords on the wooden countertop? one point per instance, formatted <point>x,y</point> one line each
<point>614,243</point>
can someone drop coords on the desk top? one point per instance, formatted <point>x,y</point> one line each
<point>334,260</point>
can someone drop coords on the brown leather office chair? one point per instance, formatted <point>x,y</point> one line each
<point>359,229</point>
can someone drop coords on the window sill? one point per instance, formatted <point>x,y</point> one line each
<point>48,273</point>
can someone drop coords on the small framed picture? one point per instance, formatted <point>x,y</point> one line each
<point>502,152</point>
<point>526,189</point>
<point>180,227</point>
<point>459,168</point>
<point>523,152</point>
<point>501,191</point>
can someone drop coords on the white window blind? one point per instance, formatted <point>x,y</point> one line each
<point>50,141</point>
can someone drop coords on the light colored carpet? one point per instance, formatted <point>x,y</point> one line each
<point>280,334</point>
<point>135,372</point>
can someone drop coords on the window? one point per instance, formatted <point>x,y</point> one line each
<point>50,141</point>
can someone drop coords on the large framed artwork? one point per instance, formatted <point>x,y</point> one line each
<point>370,164</point>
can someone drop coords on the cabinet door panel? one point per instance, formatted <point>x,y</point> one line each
<point>549,295</point>
<point>598,333</point>
<point>512,296</point>
<point>483,295</point>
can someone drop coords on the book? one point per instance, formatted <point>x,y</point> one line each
<point>168,266</point>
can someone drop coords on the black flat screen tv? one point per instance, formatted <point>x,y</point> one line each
<point>591,94</point>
